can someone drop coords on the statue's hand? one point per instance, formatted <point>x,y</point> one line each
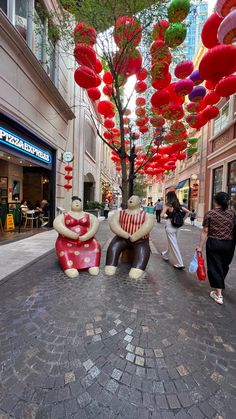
<point>73,235</point>
<point>133,238</point>
<point>83,238</point>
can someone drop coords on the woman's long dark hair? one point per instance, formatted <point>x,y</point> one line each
<point>171,199</point>
<point>222,199</point>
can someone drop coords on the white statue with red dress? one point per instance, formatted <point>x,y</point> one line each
<point>76,247</point>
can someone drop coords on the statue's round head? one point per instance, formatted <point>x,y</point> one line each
<point>76,204</point>
<point>134,202</point>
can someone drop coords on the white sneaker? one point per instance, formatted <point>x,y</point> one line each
<point>163,256</point>
<point>179,266</point>
<point>216,298</point>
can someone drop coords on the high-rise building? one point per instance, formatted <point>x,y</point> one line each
<point>195,21</point>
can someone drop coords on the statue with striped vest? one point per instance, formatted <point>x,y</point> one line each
<point>131,227</point>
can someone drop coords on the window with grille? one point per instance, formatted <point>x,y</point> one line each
<point>90,142</point>
<point>222,119</point>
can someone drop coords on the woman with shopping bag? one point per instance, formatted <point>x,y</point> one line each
<point>218,228</point>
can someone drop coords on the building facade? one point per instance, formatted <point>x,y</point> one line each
<point>195,20</point>
<point>43,112</point>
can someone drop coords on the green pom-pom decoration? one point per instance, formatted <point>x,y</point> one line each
<point>175,35</point>
<point>193,140</point>
<point>178,10</point>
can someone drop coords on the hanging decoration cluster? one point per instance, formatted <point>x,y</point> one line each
<point>68,177</point>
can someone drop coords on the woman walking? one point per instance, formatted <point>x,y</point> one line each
<point>218,225</point>
<point>173,211</point>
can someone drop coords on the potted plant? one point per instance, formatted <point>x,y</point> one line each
<point>93,207</point>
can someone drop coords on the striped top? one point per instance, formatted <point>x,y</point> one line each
<point>220,224</point>
<point>132,222</point>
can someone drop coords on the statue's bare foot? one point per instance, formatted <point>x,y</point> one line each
<point>71,273</point>
<point>110,270</point>
<point>135,273</point>
<point>94,270</point>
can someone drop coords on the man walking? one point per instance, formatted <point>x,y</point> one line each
<point>158,208</point>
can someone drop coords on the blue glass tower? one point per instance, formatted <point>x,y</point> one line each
<point>195,21</point>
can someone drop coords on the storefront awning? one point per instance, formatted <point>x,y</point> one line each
<point>181,184</point>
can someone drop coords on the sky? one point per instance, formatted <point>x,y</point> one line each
<point>211,4</point>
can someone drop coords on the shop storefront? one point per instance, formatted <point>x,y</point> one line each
<point>182,191</point>
<point>27,169</point>
<point>224,179</point>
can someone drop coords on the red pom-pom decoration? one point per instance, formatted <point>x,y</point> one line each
<point>159,29</point>
<point>68,177</point>
<point>143,129</point>
<point>107,90</point>
<point>140,111</point>
<point>68,168</point>
<point>142,75</point>
<point>98,66</point>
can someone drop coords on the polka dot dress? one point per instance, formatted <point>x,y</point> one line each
<point>74,253</point>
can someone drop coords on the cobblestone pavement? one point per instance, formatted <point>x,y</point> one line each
<point>98,347</point>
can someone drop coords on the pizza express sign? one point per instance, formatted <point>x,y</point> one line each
<point>24,146</point>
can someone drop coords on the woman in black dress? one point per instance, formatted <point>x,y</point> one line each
<point>218,227</point>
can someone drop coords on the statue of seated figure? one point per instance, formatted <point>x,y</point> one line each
<point>76,247</point>
<point>132,227</point>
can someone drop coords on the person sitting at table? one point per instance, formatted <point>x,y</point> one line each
<point>43,212</point>
<point>24,206</point>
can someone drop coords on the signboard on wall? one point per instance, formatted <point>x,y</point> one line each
<point>14,141</point>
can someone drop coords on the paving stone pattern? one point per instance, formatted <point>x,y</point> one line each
<point>104,348</point>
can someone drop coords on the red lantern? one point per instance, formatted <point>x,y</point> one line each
<point>177,99</point>
<point>85,34</point>
<point>107,78</point>
<point>141,121</point>
<point>218,62</point>
<point>68,177</point>
<point>127,29</point>
<point>140,86</point>
<point>159,70</point>
<point>157,121</point>
<point>181,156</point>
<point>178,128</point>
<point>94,93</point>
<point>107,135</point>
<point>85,55</point>
<point>67,186</point>
<point>140,111</point>
<point>184,87</point>
<point>193,107</point>
<point>127,64</point>
<point>126,121</point>
<point>140,101</point>
<point>160,99</point>
<point>226,86</point>
<point>98,66</point>
<point>85,77</point>
<point>68,168</point>
<point>127,112</point>
<point>106,108</point>
<point>143,129</point>
<point>116,132</point>
<point>211,112</point>
<point>109,123</point>
<point>159,29</point>
<point>142,75</point>
<point>210,29</point>
<point>184,69</point>
<point>211,98</point>
<point>161,83</point>
<point>107,90</point>
<point>160,52</point>
<point>210,84</point>
<point>173,112</point>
